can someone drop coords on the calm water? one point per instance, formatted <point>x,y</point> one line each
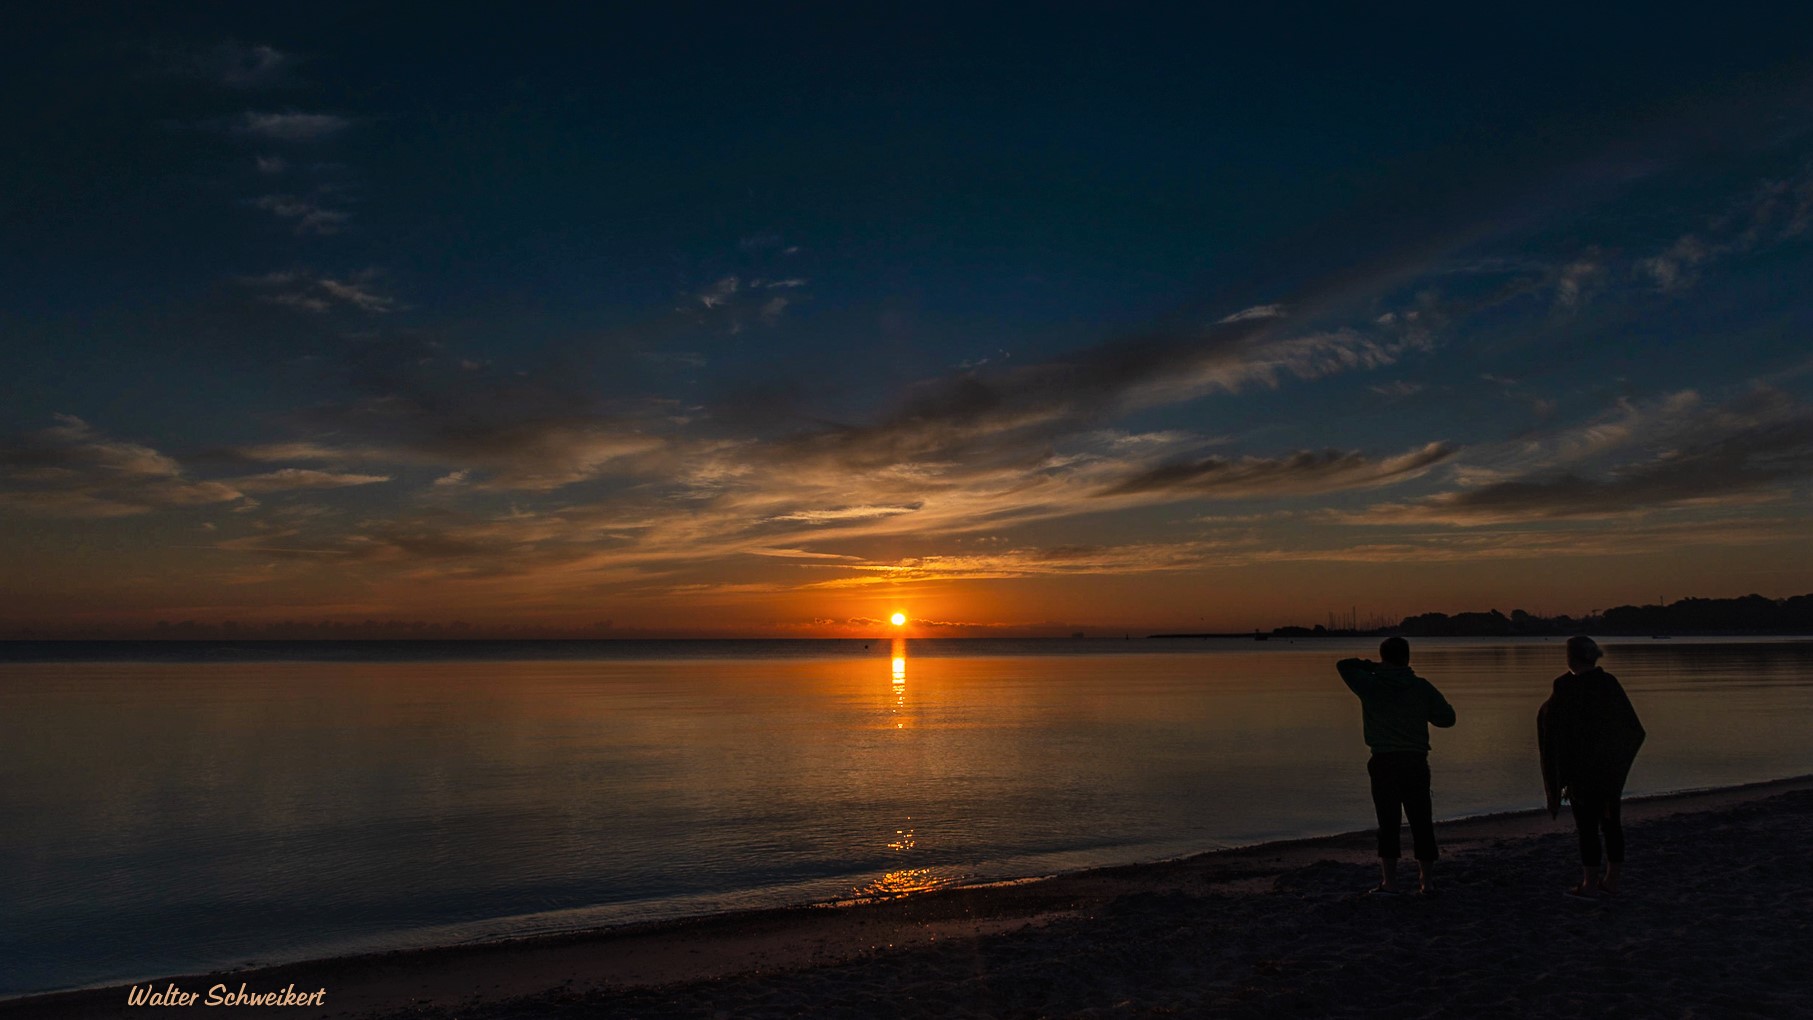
<point>220,806</point>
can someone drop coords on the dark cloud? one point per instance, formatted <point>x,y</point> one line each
<point>1730,455</point>
<point>529,431</point>
<point>72,470</point>
<point>1015,413</point>
<point>1301,473</point>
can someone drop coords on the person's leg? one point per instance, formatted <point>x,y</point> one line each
<point>1420,812</point>
<point>1385,800</point>
<point>1588,811</point>
<point>1614,844</point>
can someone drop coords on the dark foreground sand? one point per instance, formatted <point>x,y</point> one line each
<point>1715,920</point>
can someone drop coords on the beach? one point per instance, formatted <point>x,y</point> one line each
<point>1713,920</point>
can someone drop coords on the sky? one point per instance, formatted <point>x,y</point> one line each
<point>773,321</point>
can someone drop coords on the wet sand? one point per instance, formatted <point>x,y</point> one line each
<point>1714,920</point>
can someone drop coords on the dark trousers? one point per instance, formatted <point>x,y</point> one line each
<point>1400,780</point>
<point>1593,813</point>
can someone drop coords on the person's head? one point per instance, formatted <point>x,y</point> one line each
<point>1582,653</point>
<point>1394,651</point>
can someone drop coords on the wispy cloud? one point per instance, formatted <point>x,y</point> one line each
<point>308,216</point>
<point>1301,473</point>
<point>719,293</point>
<point>306,451</point>
<point>291,479</point>
<point>292,126</point>
<point>1255,312</point>
<point>308,291</point>
<point>1773,212</point>
<point>1677,454</point>
<point>847,513</point>
<point>1577,281</point>
<point>232,64</point>
<point>250,66</point>
<point>1676,266</point>
<point>357,293</point>
<point>72,470</point>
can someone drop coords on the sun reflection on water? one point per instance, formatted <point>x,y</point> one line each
<point>899,706</point>
<point>905,882</point>
<point>905,839</point>
<point>902,881</point>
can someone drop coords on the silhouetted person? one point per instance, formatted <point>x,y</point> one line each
<point>1397,706</point>
<point>1588,735</point>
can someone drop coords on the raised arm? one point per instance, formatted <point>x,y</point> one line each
<point>1357,673</point>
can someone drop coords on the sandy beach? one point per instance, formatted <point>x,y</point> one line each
<point>1713,921</point>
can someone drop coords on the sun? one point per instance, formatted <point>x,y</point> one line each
<point>898,619</point>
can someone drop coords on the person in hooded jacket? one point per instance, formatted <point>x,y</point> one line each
<point>1588,735</point>
<point>1397,707</point>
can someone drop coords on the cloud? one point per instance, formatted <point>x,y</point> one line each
<point>547,455</point>
<point>71,470</point>
<point>646,489</point>
<point>1675,267</point>
<point>735,301</point>
<point>232,64</point>
<point>1012,413</point>
<point>1301,473</point>
<point>1576,281</point>
<point>287,479</point>
<point>800,554</point>
<point>1255,312</point>
<point>311,292</point>
<point>847,513</point>
<point>272,164</point>
<point>1677,455</point>
<point>356,293</point>
<point>1035,561</point>
<point>1774,211</point>
<point>309,217</point>
<point>716,295</point>
<point>306,451</point>
<point>242,66</point>
<point>292,126</point>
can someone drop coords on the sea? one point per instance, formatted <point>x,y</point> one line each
<point>180,807</point>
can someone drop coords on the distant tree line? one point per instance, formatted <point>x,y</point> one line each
<point>1751,614</point>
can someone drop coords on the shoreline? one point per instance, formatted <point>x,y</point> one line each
<point>752,946</point>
